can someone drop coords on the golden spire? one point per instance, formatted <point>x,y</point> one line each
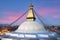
<point>30,15</point>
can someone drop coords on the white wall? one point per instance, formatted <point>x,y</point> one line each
<point>6,39</point>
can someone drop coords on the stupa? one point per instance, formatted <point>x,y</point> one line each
<point>30,24</point>
<point>30,30</point>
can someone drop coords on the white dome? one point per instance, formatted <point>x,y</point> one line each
<point>30,26</point>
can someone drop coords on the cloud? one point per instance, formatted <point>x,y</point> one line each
<point>56,16</point>
<point>8,13</point>
<point>47,11</point>
<point>10,16</point>
<point>3,21</point>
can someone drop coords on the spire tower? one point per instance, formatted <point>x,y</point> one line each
<point>30,16</point>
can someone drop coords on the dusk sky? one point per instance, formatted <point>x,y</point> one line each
<point>49,10</point>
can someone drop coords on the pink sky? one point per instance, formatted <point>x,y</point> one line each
<point>11,16</point>
<point>51,12</point>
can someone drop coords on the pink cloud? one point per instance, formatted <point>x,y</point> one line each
<point>12,13</point>
<point>56,16</point>
<point>47,11</point>
<point>11,16</point>
<point>5,21</point>
<point>9,19</point>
